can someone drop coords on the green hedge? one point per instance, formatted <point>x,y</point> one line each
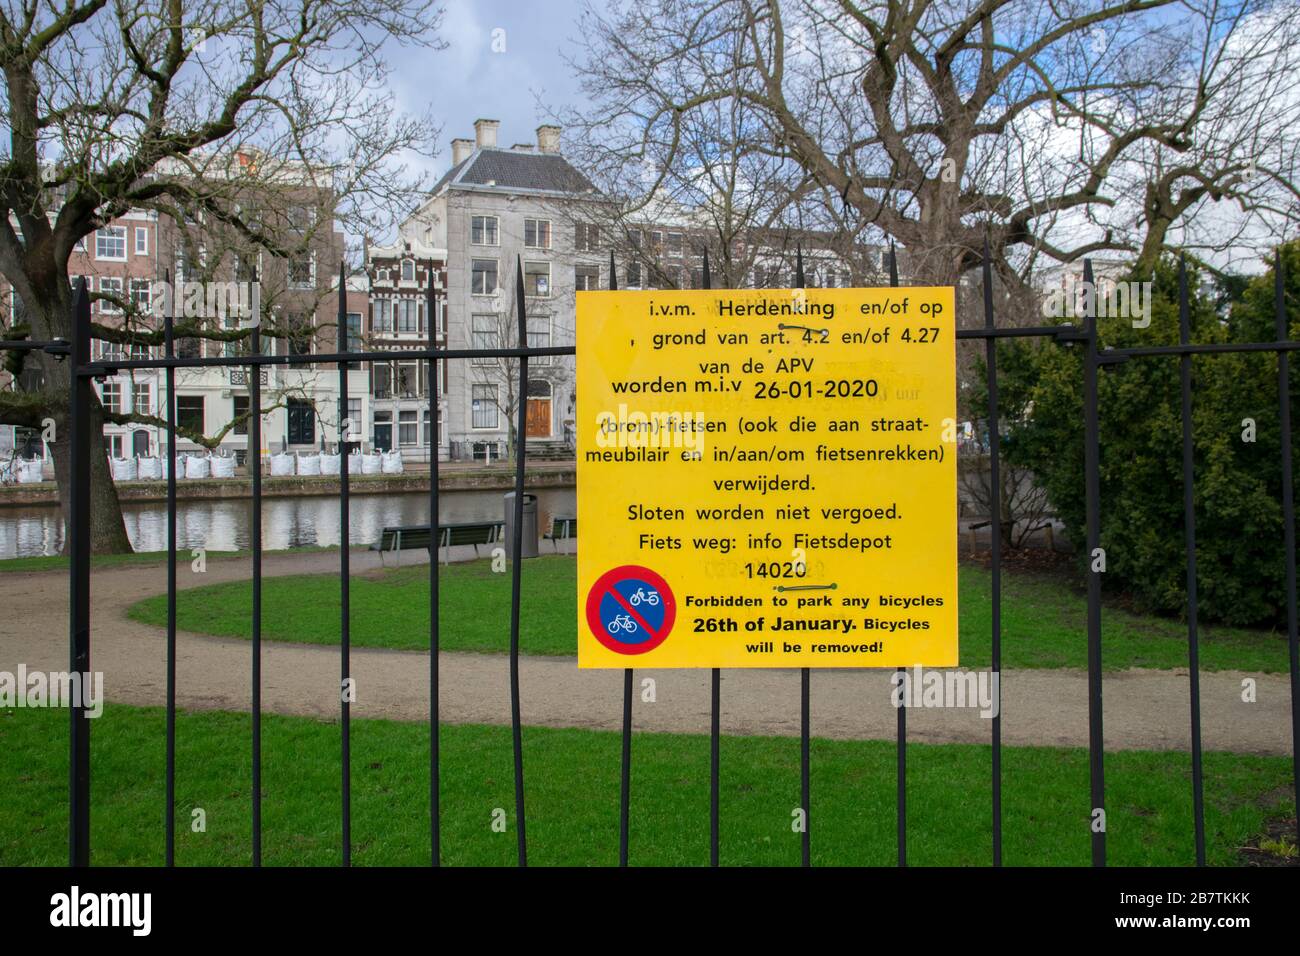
<point>1238,483</point>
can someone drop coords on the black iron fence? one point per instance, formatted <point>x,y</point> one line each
<point>84,371</point>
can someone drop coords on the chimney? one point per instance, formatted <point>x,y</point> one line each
<point>548,139</point>
<point>460,150</point>
<point>485,132</point>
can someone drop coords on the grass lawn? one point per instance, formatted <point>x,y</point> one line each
<point>572,797</point>
<point>1043,620</point>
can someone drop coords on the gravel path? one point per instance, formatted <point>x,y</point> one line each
<point>1144,709</point>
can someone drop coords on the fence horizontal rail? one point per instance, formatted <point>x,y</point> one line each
<point>96,369</point>
<point>1114,356</point>
<point>55,347</point>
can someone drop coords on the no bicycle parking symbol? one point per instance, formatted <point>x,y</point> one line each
<point>631,609</point>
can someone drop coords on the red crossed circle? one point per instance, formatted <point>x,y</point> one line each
<point>605,586</point>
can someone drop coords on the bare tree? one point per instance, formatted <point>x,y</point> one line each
<point>1025,509</point>
<point>157,105</point>
<point>938,122</point>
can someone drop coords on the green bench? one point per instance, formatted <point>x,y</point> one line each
<point>562,528</point>
<point>398,539</point>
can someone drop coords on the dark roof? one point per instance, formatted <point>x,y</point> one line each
<point>516,169</point>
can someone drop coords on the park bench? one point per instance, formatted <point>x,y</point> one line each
<point>420,536</point>
<point>470,532</point>
<point>562,528</point>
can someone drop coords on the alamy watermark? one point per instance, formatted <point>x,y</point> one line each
<point>1123,300</point>
<point>947,688</point>
<point>53,689</point>
<point>133,911</point>
<point>209,300</point>
<point>653,430</point>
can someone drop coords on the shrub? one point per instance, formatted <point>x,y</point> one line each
<point>1238,483</point>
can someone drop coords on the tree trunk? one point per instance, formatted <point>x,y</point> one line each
<point>107,529</point>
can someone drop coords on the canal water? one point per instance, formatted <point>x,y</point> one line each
<point>223,525</point>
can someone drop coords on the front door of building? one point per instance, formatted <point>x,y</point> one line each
<point>539,418</point>
<point>538,413</point>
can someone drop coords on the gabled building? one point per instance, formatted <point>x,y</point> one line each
<point>496,208</point>
<point>398,279</point>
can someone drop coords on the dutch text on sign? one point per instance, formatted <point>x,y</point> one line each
<point>767,478</point>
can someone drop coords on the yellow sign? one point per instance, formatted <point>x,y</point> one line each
<point>767,478</point>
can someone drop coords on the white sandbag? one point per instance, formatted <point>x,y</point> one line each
<point>372,464</point>
<point>29,472</point>
<point>149,469</point>
<point>309,464</point>
<point>355,463</point>
<point>392,462</point>
<point>281,465</point>
<point>197,466</point>
<point>223,467</point>
<point>123,469</point>
<point>329,464</point>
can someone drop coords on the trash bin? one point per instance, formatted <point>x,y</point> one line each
<point>527,547</point>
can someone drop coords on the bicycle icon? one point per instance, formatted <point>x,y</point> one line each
<point>622,622</point>
<point>651,598</point>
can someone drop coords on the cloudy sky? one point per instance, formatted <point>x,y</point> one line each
<point>469,79</point>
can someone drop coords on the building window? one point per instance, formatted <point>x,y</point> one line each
<point>189,412</point>
<point>111,287</point>
<point>483,406</point>
<point>408,270</point>
<point>382,317</point>
<point>110,393</point>
<point>381,375</point>
<point>141,295</point>
<point>299,333</point>
<point>697,278</point>
<point>408,380</point>
<point>586,237</point>
<point>425,418</point>
<point>110,243</point>
<point>302,271</point>
<point>354,415</point>
<point>586,277</point>
<point>483,278</point>
<point>539,337</point>
<point>243,268</point>
<point>674,243</point>
<point>187,347</point>
<point>406,427</point>
<point>115,446</point>
<point>241,408</point>
<point>537,279</point>
<point>634,274</point>
<point>485,333</point>
<point>353,340</point>
<point>483,231</point>
<point>302,423</point>
<point>301,218</point>
<point>408,315</point>
<point>537,233</point>
<point>141,241</point>
<point>141,399</point>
